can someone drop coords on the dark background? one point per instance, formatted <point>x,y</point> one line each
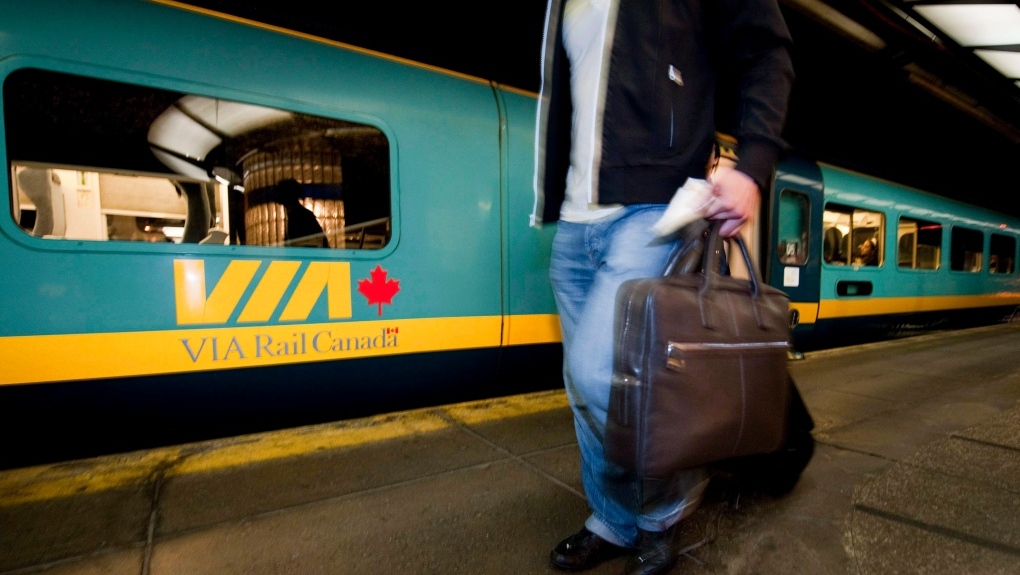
<point>850,107</point>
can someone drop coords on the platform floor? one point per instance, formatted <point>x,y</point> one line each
<point>917,471</point>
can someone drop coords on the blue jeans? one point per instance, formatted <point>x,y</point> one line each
<point>589,262</point>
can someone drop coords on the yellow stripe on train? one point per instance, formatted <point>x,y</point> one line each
<point>805,312</point>
<point>29,359</point>
<point>837,308</point>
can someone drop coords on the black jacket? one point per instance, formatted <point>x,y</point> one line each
<point>658,122</point>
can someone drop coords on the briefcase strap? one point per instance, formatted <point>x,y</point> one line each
<point>686,257</point>
<point>703,251</point>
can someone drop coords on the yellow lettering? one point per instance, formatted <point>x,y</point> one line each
<point>335,278</point>
<point>189,287</point>
<point>269,291</point>
<point>194,307</point>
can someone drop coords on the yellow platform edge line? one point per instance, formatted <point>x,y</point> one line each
<point>83,477</point>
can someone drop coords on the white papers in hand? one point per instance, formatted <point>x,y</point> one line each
<point>689,203</point>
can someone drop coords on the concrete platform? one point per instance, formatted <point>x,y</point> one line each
<point>917,471</point>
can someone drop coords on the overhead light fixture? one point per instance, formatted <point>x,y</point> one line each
<point>990,30</point>
<point>1006,62</point>
<point>975,24</point>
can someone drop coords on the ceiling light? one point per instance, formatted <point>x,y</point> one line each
<point>1006,62</point>
<point>976,24</point>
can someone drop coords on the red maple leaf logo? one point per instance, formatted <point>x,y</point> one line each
<point>379,290</point>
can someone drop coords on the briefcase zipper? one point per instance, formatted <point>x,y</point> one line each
<point>679,364</point>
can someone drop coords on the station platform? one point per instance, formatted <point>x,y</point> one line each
<point>917,470</point>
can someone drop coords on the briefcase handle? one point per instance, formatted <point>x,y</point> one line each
<point>686,258</point>
<point>703,251</point>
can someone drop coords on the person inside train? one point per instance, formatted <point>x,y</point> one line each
<point>868,251</point>
<point>303,229</point>
<point>609,158</point>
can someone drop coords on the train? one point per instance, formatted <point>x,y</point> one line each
<point>158,289</point>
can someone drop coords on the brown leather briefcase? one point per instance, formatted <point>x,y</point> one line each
<point>699,372</point>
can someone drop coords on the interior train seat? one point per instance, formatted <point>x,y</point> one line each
<point>215,236</point>
<point>833,242</point>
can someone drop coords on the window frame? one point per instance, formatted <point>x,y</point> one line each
<point>805,249</point>
<point>940,264</point>
<point>952,247</point>
<point>1012,253</point>
<point>161,83</point>
<point>850,210</point>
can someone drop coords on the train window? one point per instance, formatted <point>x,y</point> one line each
<point>852,236</point>
<point>918,244</point>
<point>793,227</point>
<point>966,248</point>
<point>92,159</point>
<point>1002,254</point>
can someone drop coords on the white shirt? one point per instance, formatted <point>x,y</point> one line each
<point>585,23</point>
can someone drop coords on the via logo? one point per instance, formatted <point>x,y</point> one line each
<point>195,307</point>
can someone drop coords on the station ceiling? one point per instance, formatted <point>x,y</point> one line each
<point>885,87</point>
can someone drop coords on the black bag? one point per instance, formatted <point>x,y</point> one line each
<point>699,368</point>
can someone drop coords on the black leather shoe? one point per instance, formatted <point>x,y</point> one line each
<point>656,553</point>
<point>583,550</point>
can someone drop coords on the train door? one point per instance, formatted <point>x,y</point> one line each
<point>795,239</point>
<point>531,355</point>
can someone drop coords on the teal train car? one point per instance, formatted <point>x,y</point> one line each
<point>216,226</point>
<point>862,257</point>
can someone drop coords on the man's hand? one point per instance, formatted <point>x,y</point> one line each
<point>734,198</point>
